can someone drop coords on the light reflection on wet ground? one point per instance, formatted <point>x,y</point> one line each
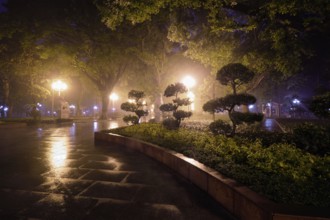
<point>56,172</point>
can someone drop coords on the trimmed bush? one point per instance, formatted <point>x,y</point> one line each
<point>312,138</point>
<point>280,171</point>
<point>220,127</point>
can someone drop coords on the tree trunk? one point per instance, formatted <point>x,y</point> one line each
<point>105,104</point>
<point>245,108</point>
<point>158,103</point>
<point>233,131</point>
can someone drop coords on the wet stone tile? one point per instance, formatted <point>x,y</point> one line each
<point>97,157</point>
<point>163,195</point>
<point>108,210</point>
<point>103,175</point>
<point>151,178</point>
<point>112,190</point>
<point>24,181</point>
<point>59,207</point>
<point>137,211</point>
<point>72,173</point>
<point>74,163</point>
<point>74,156</point>
<point>64,186</point>
<point>100,165</point>
<point>11,202</point>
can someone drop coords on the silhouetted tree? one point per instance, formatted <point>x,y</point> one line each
<point>178,114</point>
<point>233,75</point>
<point>136,105</point>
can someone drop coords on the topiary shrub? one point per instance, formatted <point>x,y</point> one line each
<point>246,117</point>
<point>178,115</point>
<point>136,106</point>
<point>312,138</point>
<point>220,127</point>
<point>320,105</point>
<point>131,119</point>
<point>170,123</point>
<point>234,75</point>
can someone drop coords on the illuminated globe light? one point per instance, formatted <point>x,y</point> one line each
<point>59,86</point>
<point>296,101</point>
<point>189,82</point>
<point>113,97</point>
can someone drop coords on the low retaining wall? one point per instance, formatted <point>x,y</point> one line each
<point>239,200</point>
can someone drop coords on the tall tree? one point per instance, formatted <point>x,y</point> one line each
<point>74,29</point>
<point>233,75</point>
<point>268,36</point>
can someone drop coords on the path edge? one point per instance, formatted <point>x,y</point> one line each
<point>236,198</point>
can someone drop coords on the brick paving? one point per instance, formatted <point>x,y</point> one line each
<point>57,173</point>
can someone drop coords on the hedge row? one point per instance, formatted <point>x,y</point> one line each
<point>281,172</point>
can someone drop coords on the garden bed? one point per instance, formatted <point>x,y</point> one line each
<point>281,172</point>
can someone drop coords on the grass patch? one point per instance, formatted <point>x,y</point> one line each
<point>280,171</point>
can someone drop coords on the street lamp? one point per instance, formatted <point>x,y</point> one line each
<point>113,97</point>
<point>191,97</point>
<point>58,86</point>
<point>189,82</point>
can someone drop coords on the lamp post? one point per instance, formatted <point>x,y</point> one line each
<point>113,97</point>
<point>58,86</point>
<point>189,82</point>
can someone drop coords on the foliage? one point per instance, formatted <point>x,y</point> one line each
<point>246,117</point>
<point>175,89</point>
<point>233,75</point>
<point>170,123</point>
<point>273,36</point>
<point>220,127</point>
<point>179,115</point>
<point>35,113</point>
<point>312,138</point>
<point>279,171</point>
<point>137,106</point>
<point>131,119</point>
<point>320,105</point>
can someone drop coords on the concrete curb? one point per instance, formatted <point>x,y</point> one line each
<point>239,200</point>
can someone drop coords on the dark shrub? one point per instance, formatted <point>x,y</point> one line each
<point>220,127</point>
<point>170,123</point>
<point>312,138</point>
<point>247,117</point>
<point>131,119</point>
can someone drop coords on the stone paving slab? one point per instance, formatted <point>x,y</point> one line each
<point>56,174</point>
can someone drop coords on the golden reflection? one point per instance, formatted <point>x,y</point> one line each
<point>115,162</point>
<point>113,124</point>
<point>95,125</point>
<point>58,152</point>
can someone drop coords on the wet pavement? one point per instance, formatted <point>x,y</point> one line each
<point>56,172</point>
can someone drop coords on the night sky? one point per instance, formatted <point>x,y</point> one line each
<point>1,5</point>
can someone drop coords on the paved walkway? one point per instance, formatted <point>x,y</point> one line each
<point>57,173</point>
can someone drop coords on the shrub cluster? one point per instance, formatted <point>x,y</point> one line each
<point>280,171</point>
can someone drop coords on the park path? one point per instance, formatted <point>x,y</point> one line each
<point>56,172</point>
